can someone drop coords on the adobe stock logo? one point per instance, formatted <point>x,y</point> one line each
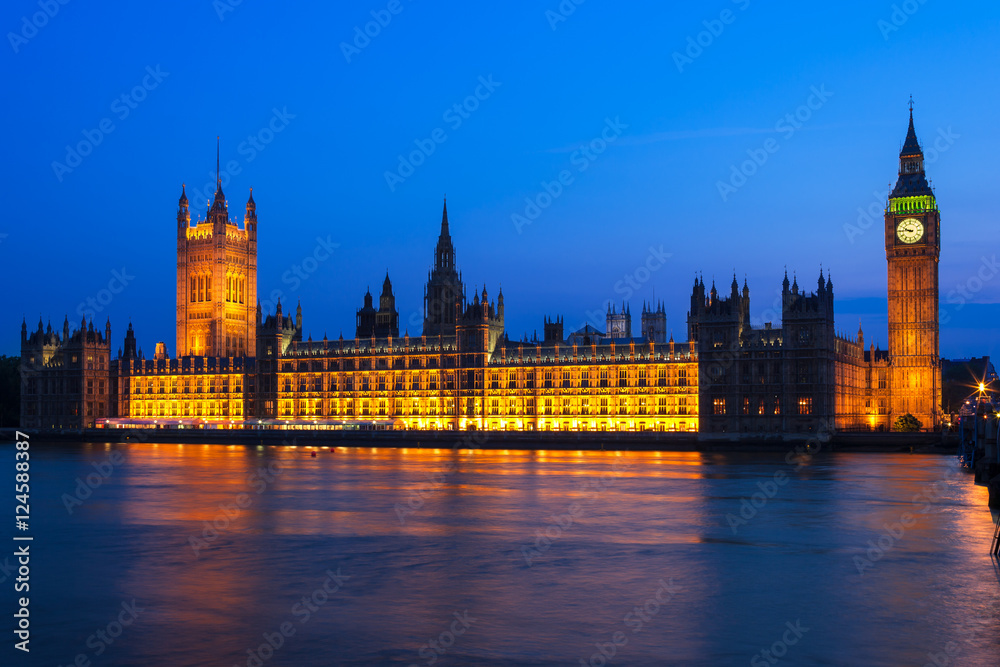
<point>787,126</point>
<point>122,107</point>
<point>96,304</point>
<point>381,18</point>
<point>714,28</point>
<point>31,26</point>
<point>455,116</point>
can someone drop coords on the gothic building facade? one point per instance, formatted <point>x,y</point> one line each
<point>239,367</point>
<point>65,380</point>
<point>796,376</point>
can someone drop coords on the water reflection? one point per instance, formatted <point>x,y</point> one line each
<point>218,555</point>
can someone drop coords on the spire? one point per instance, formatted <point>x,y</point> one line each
<point>220,198</point>
<point>445,232</point>
<point>444,255</point>
<point>911,146</point>
<point>183,213</point>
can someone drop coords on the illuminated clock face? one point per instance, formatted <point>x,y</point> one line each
<point>910,230</point>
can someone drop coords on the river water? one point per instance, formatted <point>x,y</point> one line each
<point>181,555</point>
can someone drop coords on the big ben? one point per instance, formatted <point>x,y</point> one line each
<point>912,249</point>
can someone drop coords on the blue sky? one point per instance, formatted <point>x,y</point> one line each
<point>673,127</point>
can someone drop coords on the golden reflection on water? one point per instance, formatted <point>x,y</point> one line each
<point>469,514</point>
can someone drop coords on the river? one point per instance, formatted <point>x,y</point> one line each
<point>180,555</point>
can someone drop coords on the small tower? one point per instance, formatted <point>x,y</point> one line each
<point>387,317</point>
<point>619,323</point>
<point>130,350</point>
<point>366,318</point>
<point>654,323</point>
<point>183,212</point>
<point>250,219</point>
<point>553,330</point>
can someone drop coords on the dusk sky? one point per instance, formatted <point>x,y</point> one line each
<point>314,117</point>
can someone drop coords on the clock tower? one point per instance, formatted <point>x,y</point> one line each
<point>912,249</point>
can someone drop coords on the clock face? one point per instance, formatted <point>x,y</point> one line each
<point>910,230</point>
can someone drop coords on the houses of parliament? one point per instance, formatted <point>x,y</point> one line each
<point>237,367</point>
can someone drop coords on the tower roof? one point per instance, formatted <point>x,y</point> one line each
<point>911,146</point>
<point>445,232</point>
<point>912,178</point>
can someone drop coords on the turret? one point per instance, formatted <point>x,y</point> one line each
<point>130,350</point>
<point>183,212</point>
<point>250,219</point>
